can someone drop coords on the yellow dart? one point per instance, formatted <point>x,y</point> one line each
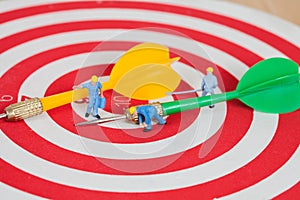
<point>144,72</point>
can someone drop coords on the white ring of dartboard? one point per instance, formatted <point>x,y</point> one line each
<point>45,43</point>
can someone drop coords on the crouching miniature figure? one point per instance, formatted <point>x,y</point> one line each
<point>145,115</point>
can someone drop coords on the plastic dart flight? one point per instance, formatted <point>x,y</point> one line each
<point>144,72</point>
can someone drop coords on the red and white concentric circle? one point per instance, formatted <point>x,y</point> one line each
<point>231,152</point>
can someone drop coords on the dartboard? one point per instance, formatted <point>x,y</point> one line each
<point>228,152</point>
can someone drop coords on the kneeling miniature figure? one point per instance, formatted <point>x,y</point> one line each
<point>145,115</point>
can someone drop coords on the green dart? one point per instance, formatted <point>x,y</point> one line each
<point>271,86</point>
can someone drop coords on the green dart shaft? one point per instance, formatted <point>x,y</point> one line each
<point>197,102</point>
<point>273,87</point>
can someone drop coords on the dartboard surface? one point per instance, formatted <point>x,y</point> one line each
<point>228,152</point>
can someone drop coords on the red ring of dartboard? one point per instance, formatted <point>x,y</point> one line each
<point>277,142</point>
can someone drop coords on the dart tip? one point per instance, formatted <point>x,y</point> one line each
<point>102,120</point>
<point>3,115</point>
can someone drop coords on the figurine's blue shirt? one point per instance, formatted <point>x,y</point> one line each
<point>145,111</point>
<point>93,89</point>
<point>209,83</point>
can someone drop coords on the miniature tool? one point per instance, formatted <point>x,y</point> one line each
<point>183,92</point>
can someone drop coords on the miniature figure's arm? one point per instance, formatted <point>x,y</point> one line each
<point>215,85</point>
<point>100,89</point>
<point>77,87</point>
<point>147,119</point>
<point>202,84</point>
<point>101,93</point>
<point>85,85</point>
<point>140,119</point>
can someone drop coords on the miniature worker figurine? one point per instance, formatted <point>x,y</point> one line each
<point>94,86</point>
<point>209,83</point>
<point>148,112</point>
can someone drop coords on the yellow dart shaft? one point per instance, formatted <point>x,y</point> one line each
<point>153,86</point>
<point>57,100</point>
